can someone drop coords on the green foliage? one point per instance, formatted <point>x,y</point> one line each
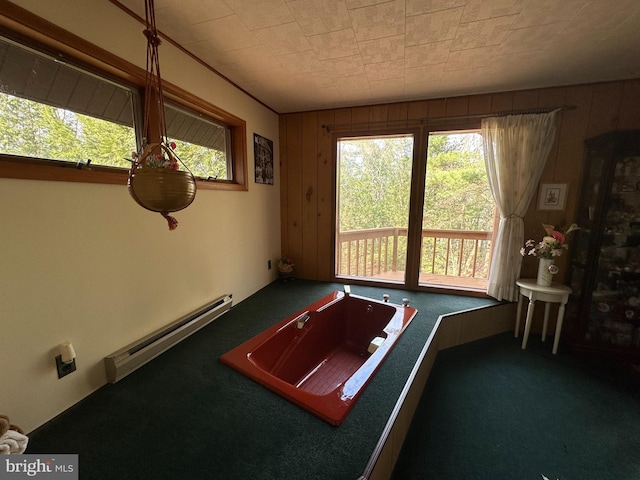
<point>33,129</point>
<point>202,161</point>
<point>457,194</point>
<point>374,190</point>
<point>375,178</point>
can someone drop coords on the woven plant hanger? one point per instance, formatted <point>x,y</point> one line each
<point>162,190</point>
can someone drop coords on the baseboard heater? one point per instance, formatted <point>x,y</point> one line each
<point>121,363</point>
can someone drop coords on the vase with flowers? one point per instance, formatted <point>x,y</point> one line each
<point>552,245</point>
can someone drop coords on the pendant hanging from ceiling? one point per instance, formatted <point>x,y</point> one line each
<point>156,181</point>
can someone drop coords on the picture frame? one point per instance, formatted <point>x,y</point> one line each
<point>263,159</point>
<point>552,196</point>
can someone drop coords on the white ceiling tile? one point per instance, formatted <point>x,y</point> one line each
<point>476,10</point>
<point>382,49</point>
<point>198,11</point>
<point>482,33</point>
<point>320,17</point>
<point>543,12</point>
<point>341,43</point>
<point>256,58</point>
<point>355,82</point>
<point>423,74</point>
<point>388,90</point>
<point>227,33</point>
<point>418,7</point>
<point>600,17</point>
<point>378,21</point>
<point>301,62</point>
<point>353,4</point>
<point>432,27</point>
<point>311,81</point>
<point>356,97</point>
<point>299,54</point>
<point>470,58</point>
<point>427,53</point>
<point>532,38</point>
<point>283,39</point>
<point>415,91</point>
<point>343,66</point>
<point>267,13</point>
<point>385,70</point>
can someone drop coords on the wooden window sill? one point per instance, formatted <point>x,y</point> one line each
<point>58,171</point>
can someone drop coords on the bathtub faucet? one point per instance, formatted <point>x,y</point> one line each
<point>302,319</point>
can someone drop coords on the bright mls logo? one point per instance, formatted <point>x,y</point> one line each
<point>52,467</point>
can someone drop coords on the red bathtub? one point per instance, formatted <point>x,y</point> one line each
<point>322,357</point>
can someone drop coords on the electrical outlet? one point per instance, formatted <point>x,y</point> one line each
<point>268,264</point>
<point>65,368</point>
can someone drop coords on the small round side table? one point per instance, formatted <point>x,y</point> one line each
<point>556,293</point>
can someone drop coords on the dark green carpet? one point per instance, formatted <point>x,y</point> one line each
<point>493,411</point>
<point>187,416</point>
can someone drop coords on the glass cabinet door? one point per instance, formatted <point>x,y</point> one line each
<point>603,314</point>
<point>615,308</point>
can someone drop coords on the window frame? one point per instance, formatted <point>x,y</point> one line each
<point>418,184</point>
<point>34,32</point>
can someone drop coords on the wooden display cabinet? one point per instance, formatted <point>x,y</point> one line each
<point>603,314</point>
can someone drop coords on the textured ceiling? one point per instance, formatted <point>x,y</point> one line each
<point>297,55</point>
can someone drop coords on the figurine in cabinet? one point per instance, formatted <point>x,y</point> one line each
<point>603,313</point>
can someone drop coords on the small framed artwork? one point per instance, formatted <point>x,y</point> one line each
<point>552,196</point>
<point>263,156</point>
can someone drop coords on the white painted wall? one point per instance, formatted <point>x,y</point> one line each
<point>84,263</point>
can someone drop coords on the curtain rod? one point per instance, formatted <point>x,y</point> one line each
<point>428,120</point>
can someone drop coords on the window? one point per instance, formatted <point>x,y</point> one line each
<point>202,145</point>
<point>64,103</point>
<point>381,235</point>
<point>54,111</point>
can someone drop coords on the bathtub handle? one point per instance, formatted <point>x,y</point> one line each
<point>369,308</point>
<point>302,320</point>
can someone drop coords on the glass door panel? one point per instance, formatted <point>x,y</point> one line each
<point>458,213</point>
<point>373,189</point>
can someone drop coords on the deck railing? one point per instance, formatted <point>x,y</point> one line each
<point>376,251</point>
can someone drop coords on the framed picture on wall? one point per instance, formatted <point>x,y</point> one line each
<point>552,196</point>
<point>263,157</point>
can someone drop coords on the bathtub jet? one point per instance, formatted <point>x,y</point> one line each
<point>323,357</point>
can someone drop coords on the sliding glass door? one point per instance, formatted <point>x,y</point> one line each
<point>458,213</point>
<point>374,186</point>
<point>414,219</point>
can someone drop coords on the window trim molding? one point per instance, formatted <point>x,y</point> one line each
<point>34,31</point>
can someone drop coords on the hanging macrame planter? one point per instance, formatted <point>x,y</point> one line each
<point>157,185</point>
<point>155,179</point>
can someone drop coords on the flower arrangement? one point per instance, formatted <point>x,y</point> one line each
<point>154,157</point>
<point>285,265</point>
<point>552,245</point>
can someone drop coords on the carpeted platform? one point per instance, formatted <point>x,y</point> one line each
<point>492,411</point>
<point>187,416</point>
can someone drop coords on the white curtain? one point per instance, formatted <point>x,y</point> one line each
<point>515,151</point>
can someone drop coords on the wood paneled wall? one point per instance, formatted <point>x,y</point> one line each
<point>307,161</point>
